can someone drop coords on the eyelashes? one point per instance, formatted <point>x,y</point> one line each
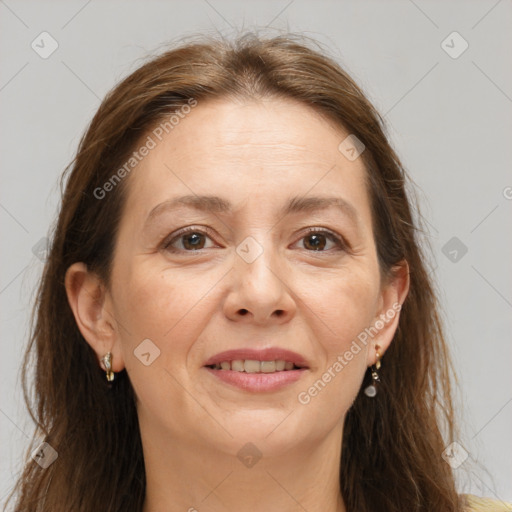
<point>320,238</point>
<point>186,232</point>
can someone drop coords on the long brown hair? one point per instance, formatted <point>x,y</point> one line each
<point>392,445</point>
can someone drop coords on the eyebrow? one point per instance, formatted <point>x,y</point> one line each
<point>217,204</point>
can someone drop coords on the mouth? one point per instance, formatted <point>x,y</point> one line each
<point>256,366</point>
<point>257,370</point>
<point>254,376</point>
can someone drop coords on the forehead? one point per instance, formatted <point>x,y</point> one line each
<point>252,151</point>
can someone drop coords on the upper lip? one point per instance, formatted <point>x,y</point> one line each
<point>266,354</point>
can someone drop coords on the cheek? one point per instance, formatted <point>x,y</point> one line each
<point>344,304</point>
<point>148,305</point>
<point>167,307</point>
<point>343,311</point>
<point>163,305</point>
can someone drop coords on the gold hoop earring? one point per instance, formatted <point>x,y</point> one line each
<point>371,390</point>
<point>107,361</point>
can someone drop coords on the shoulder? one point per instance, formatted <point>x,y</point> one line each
<point>477,504</point>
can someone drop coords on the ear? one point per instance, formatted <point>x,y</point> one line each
<point>91,305</point>
<point>394,290</point>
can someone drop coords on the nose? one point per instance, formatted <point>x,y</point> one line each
<point>259,291</point>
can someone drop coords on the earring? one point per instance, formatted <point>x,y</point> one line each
<point>107,361</point>
<point>371,390</point>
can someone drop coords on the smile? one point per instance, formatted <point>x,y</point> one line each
<point>256,376</point>
<point>255,366</point>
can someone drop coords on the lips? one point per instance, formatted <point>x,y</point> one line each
<point>268,354</point>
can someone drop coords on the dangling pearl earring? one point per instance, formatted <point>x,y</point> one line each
<point>371,390</point>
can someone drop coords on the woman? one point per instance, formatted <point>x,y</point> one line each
<point>235,311</point>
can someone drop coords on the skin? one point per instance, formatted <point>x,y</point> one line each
<point>192,305</point>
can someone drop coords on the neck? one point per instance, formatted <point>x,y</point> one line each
<point>186,475</point>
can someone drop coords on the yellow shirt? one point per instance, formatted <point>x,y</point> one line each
<point>476,504</point>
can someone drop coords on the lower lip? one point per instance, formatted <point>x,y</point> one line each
<point>258,381</point>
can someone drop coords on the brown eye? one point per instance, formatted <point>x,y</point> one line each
<point>193,241</point>
<point>317,240</point>
<point>187,241</point>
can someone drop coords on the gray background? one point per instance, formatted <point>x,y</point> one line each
<point>449,119</point>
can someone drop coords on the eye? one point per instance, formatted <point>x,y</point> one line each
<point>193,239</point>
<point>190,239</point>
<point>317,240</point>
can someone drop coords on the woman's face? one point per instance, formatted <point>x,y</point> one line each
<point>274,270</point>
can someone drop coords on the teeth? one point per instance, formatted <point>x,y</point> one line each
<point>268,366</point>
<point>237,365</point>
<point>254,366</point>
<point>251,366</point>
